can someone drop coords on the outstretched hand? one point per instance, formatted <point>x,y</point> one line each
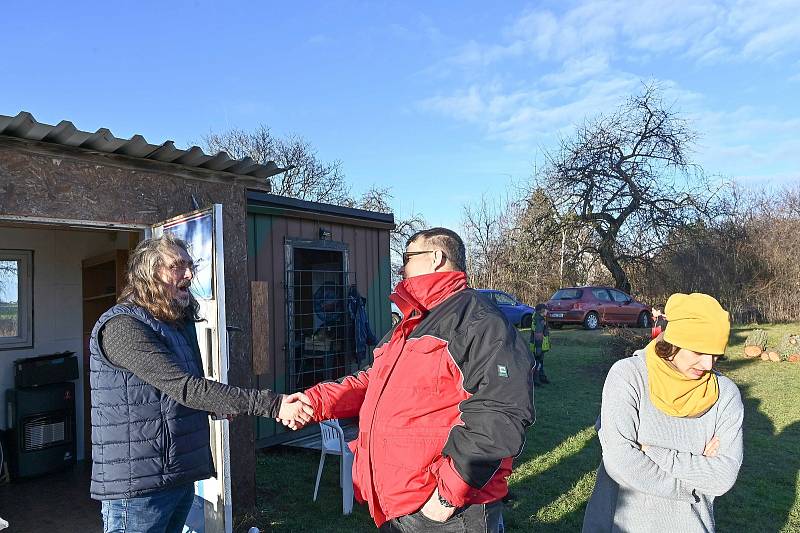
<point>295,411</point>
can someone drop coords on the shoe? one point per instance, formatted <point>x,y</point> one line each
<point>543,379</point>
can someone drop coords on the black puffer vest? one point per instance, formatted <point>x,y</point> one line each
<point>143,440</point>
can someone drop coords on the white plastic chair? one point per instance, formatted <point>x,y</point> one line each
<point>333,443</point>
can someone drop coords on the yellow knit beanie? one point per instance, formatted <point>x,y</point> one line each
<point>697,322</point>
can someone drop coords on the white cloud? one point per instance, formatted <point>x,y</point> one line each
<point>578,69</point>
<point>565,67</point>
<point>527,115</point>
<point>705,30</point>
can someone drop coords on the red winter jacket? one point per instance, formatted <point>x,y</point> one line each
<point>445,403</point>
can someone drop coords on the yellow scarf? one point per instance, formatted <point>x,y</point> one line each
<point>673,393</point>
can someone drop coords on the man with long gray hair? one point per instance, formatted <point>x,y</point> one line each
<point>150,401</point>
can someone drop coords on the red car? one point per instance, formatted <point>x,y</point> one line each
<point>594,307</point>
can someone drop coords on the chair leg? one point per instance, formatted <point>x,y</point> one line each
<point>319,473</point>
<point>347,483</point>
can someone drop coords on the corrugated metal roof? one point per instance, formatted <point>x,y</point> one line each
<point>25,126</point>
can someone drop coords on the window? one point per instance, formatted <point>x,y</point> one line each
<point>601,294</point>
<point>620,297</point>
<point>16,299</point>
<point>567,294</point>
<point>319,325</point>
<point>504,299</point>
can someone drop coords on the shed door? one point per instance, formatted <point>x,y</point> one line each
<point>202,230</point>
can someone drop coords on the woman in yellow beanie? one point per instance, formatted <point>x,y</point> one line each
<point>670,427</point>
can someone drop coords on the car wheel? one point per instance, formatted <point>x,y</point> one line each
<point>591,321</point>
<point>644,320</point>
<point>526,321</point>
<point>396,319</point>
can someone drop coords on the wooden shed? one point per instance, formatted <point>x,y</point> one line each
<point>73,203</point>
<point>304,260</point>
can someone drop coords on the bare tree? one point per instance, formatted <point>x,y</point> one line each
<point>484,235</point>
<point>8,274</point>
<point>309,178</point>
<point>627,176</point>
<point>312,179</point>
<point>377,199</point>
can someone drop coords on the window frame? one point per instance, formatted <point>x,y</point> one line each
<point>24,337</point>
<point>614,292</point>
<point>501,295</point>
<point>578,294</point>
<point>608,299</point>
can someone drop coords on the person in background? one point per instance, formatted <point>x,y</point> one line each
<point>150,401</point>
<point>670,428</point>
<point>540,339</point>
<point>659,323</point>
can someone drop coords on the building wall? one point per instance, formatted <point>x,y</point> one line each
<point>57,296</point>
<point>43,180</point>
<point>369,260</point>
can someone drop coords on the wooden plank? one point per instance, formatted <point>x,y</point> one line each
<point>309,229</point>
<point>253,247</point>
<point>121,268</point>
<point>280,230</point>
<point>133,239</point>
<point>259,291</point>
<point>385,282</point>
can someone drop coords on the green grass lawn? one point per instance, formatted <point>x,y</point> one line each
<point>555,474</point>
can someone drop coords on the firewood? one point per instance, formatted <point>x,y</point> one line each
<point>756,338</point>
<point>765,356</point>
<point>774,357</point>
<point>794,358</point>
<point>752,351</point>
<point>789,345</point>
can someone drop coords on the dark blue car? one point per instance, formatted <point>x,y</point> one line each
<point>515,311</point>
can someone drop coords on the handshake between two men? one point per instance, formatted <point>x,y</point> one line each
<point>295,411</point>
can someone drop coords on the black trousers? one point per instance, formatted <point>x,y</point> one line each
<point>477,518</point>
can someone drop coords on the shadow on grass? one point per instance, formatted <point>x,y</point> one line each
<point>555,474</point>
<point>765,493</point>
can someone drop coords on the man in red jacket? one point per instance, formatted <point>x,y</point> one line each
<point>444,407</point>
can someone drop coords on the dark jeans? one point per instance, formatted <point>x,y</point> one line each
<point>477,518</point>
<point>164,511</point>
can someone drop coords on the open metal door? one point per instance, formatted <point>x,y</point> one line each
<point>202,230</point>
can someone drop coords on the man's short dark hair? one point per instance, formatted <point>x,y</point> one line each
<point>446,240</point>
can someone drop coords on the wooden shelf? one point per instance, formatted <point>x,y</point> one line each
<point>101,296</point>
<point>103,281</point>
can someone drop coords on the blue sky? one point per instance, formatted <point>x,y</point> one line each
<point>442,101</point>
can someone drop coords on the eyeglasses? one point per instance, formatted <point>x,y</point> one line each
<point>181,267</point>
<point>408,255</point>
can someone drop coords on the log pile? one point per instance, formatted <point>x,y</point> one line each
<point>756,343</point>
<point>789,348</point>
